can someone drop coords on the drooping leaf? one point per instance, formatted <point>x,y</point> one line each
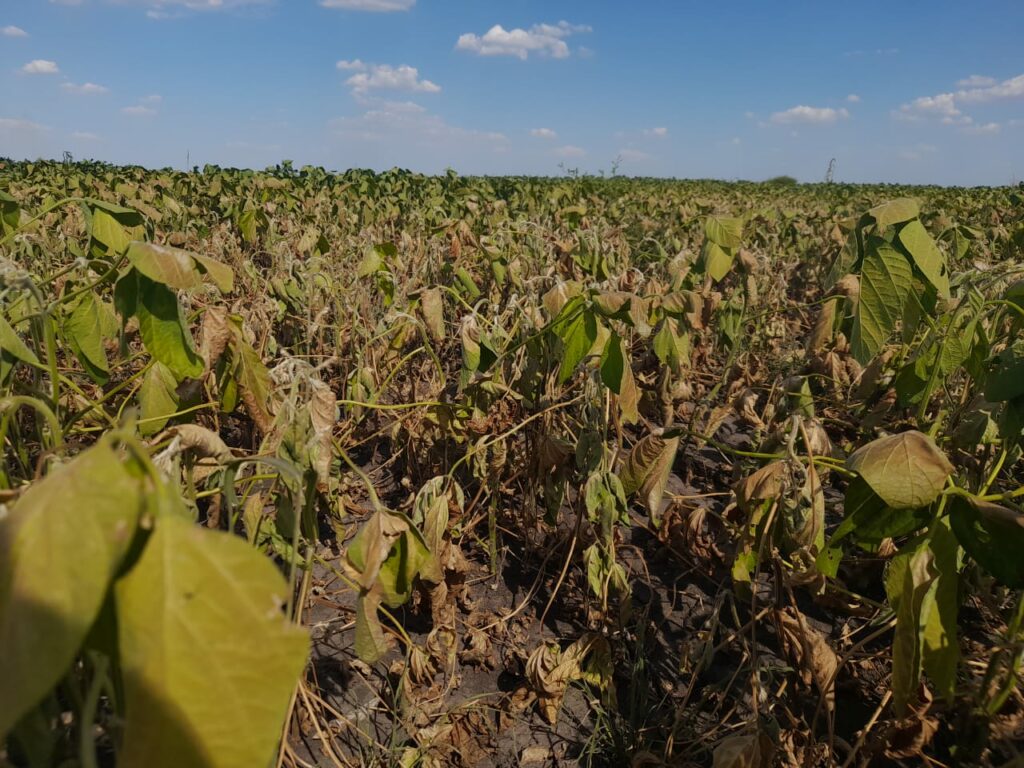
<point>1005,378</point>
<point>926,254</point>
<point>114,228</point>
<point>158,399</point>
<point>60,547</point>
<point>163,329</point>
<point>717,260</point>
<point>992,534</point>
<point>208,657</point>
<point>885,282</point>
<point>895,211</point>
<point>578,332</point>
<point>84,329</point>
<point>725,232</point>
<point>11,344</point>
<point>910,584</point>
<point>647,469</point>
<point>162,264</point>
<point>432,308</point>
<point>617,375</point>
<point>940,650</point>
<point>906,470</point>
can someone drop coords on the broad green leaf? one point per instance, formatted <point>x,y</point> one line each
<point>10,213</point>
<point>728,233</point>
<point>617,375</point>
<point>114,228</point>
<point>220,273</point>
<point>11,344</point>
<point>910,583</point>
<point>941,652</point>
<point>162,264</point>
<point>868,519</point>
<point>158,399</point>
<point>906,470</point>
<point>209,659</point>
<point>717,261</point>
<point>1005,379</point>
<point>163,329</point>
<point>60,547</point>
<point>885,282</point>
<point>647,470</point>
<point>578,335</point>
<point>84,328</point>
<point>895,211</point>
<point>926,254</point>
<point>992,534</point>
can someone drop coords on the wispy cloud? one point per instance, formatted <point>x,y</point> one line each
<point>352,66</point>
<point>543,133</point>
<point>540,39</point>
<point>13,31</point>
<point>41,67</point>
<point>660,132</point>
<point>85,136</point>
<point>85,89</point>
<point>809,115</point>
<point>374,6</point>
<point>853,98</point>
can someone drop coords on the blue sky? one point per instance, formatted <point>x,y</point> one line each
<point>908,91</point>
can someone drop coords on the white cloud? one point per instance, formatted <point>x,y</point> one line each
<point>569,151</point>
<point>543,133</point>
<point>976,81</point>
<point>853,98</point>
<point>41,67</point>
<point>947,107</point>
<point>13,124</point>
<point>153,98</point>
<point>85,136</point>
<point>13,31</point>
<point>812,115</point>
<point>985,129</point>
<point>354,65</point>
<point>542,39</point>
<point>384,77</point>
<point>377,6</point>
<point>917,152</point>
<point>659,132</point>
<point>138,110</point>
<point>85,89</point>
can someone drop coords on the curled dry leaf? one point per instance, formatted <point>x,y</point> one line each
<point>647,469</point>
<point>746,750</point>
<point>215,335</point>
<point>549,671</point>
<point>821,333</point>
<point>809,651</point>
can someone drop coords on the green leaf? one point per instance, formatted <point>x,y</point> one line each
<point>578,335</point>
<point>11,344</point>
<point>158,398</point>
<point>84,329</point>
<point>1005,379</point>
<point>163,329</point>
<point>885,283</point>
<point>114,227</point>
<point>208,657</point>
<point>926,254</point>
<point>868,519</point>
<point>220,273</point>
<point>717,260</point>
<point>728,233</point>
<point>172,267</point>
<point>906,470</point>
<point>940,650</point>
<point>60,547</point>
<point>992,534</point>
<point>895,212</point>
<point>910,585</point>
<point>617,375</point>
